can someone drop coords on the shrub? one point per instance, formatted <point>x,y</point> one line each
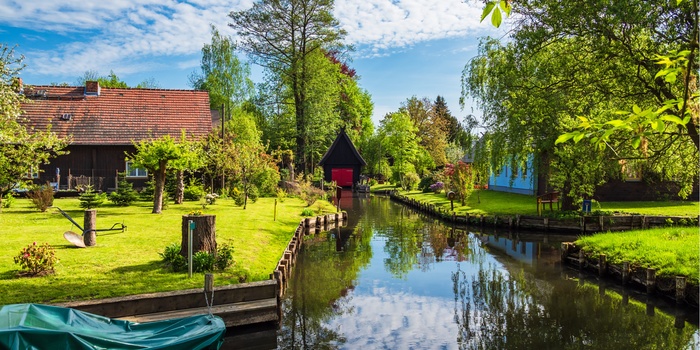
<point>266,181</point>
<point>224,257</point>
<point>424,184</point>
<point>172,258</point>
<point>8,200</point>
<point>307,212</point>
<point>210,198</point>
<point>437,187</point>
<point>281,194</point>
<point>37,259</point>
<point>409,181</point>
<point>147,192</point>
<point>203,262</point>
<point>41,196</point>
<point>194,191</point>
<point>125,194</point>
<point>239,196</point>
<point>90,199</point>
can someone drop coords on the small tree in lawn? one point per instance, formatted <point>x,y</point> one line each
<point>125,194</point>
<point>90,199</point>
<point>156,156</point>
<point>461,177</point>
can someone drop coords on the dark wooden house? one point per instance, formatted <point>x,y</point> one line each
<point>102,124</point>
<point>342,163</point>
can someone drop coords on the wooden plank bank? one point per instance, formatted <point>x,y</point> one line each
<point>677,288</point>
<point>579,225</point>
<point>283,271</point>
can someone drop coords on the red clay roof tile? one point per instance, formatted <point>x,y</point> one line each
<point>117,116</point>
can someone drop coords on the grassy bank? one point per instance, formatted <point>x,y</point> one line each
<point>128,263</point>
<point>501,203</point>
<point>671,251</point>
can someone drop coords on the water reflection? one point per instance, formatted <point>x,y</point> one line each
<point>394,279</point>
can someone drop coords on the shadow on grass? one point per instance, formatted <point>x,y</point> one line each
<point>147,267</point>
<point>9,274</point>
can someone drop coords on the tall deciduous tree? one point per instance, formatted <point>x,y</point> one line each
<point>223,74</point>
<point>21,150</point>
<point>400,140</point>
<point>281,36</point>
<point>431,129</point>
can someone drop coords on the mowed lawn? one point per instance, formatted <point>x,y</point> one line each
<point>501,203</point>
<point>128,263</point>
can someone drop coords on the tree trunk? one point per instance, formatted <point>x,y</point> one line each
<point>159,178</point>
<point>180,191</point>
<point>203,235</point>
<point>89,226</point>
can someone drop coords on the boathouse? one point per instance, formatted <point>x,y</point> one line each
<point>342,162</point>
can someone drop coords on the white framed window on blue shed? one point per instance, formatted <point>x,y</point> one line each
<point>132,171</point>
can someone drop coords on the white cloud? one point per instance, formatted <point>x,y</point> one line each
<point>130,35</point>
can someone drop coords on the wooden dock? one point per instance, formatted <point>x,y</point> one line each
<point>239,304</point>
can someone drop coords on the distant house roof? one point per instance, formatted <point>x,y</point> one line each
<point>94,115</point>
<point>343,139</point>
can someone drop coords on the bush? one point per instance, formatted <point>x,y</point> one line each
<point>409,181</point>
<point>437,187</point>
<point>281,194</point>
<point>90,199</point>
<point>203,262</point>
<point>239,195</point>
<point>147,192</point>
<point>37,259</point>
<point>210,198</point>
<point>8,200</point>
<point>41,196</point>
<point>307,212</point>
<point>266,181</point>
<point>172,258</point>
<point>194,191</point>
<point>424,184</point>
<point>224,257</point>
<point>125,194</point>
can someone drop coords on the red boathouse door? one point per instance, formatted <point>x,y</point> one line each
<point>342,176</point>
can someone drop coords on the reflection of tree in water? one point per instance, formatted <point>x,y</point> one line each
<point>321,288</point>
<point>495,311</point>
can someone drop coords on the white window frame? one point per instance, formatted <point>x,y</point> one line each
<point>137,172</point>
<point>33,173</point>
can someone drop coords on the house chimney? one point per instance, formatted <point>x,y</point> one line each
<point>92,88</point>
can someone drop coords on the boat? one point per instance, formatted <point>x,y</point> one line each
<point>38,326</point>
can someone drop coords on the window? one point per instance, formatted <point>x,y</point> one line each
<point>132,171</point>
<point>33,173</point>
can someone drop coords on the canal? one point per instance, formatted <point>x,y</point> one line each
<point>393,278</point>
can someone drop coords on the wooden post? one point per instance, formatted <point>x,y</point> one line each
<point>546,224</point>
<point>208,283</point>
<point>89,227</point>
<point>600,221</point>
<point>625,272</point>
<point>581,259</point>
<point>651,280</point>
<point>680,289</point>
<point>602,264</point>
<point>203,235</point>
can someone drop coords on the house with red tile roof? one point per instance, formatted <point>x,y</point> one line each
<point>103,123</point>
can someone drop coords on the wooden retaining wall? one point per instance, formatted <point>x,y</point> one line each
<point>283,271</point>
<point>580,225</point>
<point>677,288</point>
<point>239,304</point>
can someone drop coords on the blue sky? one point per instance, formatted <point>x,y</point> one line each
<point>403,47</point>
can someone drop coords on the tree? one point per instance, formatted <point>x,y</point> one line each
<point>455,131</point>
<point>400,141</point>
<point>647,54</point>
<point>461,179</point>
<point>21,150</point>
<point>223,74</point>
<point>431,129</point>
<point>157,156</point>
<point>109,81</point>
<point>280,36</point>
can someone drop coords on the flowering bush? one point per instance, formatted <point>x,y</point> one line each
<point>37,258</point>
<point>437,187</point>
<point>210,198</point>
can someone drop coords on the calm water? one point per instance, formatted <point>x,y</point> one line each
<point>395,279</point>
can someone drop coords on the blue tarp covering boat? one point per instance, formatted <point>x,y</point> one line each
<point>35,326</point>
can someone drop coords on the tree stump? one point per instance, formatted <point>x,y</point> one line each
<point>89,226</point>
<point>203,235</point>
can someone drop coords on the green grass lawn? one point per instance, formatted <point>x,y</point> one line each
<point>502,203</point>
<point>671,251</point>
<point>128,263</point>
